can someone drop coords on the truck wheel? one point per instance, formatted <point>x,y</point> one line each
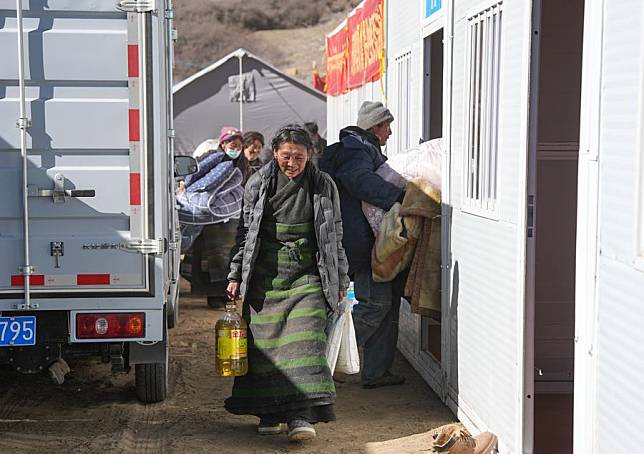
<point>151,382</point>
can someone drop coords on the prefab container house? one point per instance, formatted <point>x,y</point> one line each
<point>609,340</point>
<point>539,103</point>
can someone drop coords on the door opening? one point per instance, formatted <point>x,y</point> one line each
<point>433,86</point>
<point>559,88</point>
<point>432,128</point>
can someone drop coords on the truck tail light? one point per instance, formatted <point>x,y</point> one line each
<point>110,326</point>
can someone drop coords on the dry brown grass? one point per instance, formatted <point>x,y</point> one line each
<point>288,33</point>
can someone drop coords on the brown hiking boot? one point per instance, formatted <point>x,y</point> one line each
<point>454,439</point>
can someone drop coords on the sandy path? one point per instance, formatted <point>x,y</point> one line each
<point>95,411</point>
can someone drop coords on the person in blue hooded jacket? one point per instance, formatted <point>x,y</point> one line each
<point>352,163</point>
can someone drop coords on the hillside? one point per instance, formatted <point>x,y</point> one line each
<point>287,33</point>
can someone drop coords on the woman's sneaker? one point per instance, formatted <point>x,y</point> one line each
<point>269,428</point>
<point>300,430</point>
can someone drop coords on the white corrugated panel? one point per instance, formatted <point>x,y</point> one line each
<point>403,24</point>
<point>619,343</point>
<point>403,32</point>
<point>405,71</point>
<point>405,99</point>
<point>342,111</point>
<point>487,305</point>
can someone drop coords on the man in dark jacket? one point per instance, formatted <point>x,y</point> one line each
<point>352,163</point>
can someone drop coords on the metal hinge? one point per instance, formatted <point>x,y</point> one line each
<point>23,123</point>
<point>174,245</point>
<point>169,14</point>
<point>172,133</point>
<point>531,207</point>
<point>147,246</point>
<point>136,6</point>
<point>26,271</point>
<point>175,34</point>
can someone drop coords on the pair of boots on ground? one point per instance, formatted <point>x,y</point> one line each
<point>454,439</point>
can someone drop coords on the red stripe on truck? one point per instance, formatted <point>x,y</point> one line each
<point>93,279</point>
<point>18,280</point>
<point>135,189</point>
<point>134,125</point>
<point>132,60</point>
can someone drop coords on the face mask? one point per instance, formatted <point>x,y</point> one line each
<point>233,154</point>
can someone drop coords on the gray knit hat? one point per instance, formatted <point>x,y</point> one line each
<point>372,114</point>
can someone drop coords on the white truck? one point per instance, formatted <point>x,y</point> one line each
<point>89,241</point>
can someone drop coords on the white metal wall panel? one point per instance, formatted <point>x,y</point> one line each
<point>405,38</point>
<point>101,40</point>
<point>403,31</point>
<point>488,270</point>
<point>342,111</point>
<point>404,23</point>
<point>62,5</point>
<point>619,340</point>
<point>76,57</point>
<point>77,100</point>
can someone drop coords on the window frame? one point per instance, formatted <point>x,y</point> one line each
<point>489,42</point>
<point>402,126</point>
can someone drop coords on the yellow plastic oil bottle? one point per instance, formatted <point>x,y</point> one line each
<point>231,337</point>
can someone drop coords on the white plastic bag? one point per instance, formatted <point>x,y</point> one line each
<point>342,347</point>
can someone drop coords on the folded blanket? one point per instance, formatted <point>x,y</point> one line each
<point>410,235</point>
<point>395,245</point>
<point>421,161</point>
<point>423,287</point>
<point>213,198</point>
<point>214,179</point>
<point>374,214</point>
<point>402,228</point>
<point>205,165</point>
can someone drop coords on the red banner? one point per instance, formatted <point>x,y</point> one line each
<point>355,53</point>
<point>366,43</point>
<point>337,47</point>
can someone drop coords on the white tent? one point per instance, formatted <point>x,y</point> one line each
<point>210,100</point>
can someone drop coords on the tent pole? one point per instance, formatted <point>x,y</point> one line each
<point>241,91</point>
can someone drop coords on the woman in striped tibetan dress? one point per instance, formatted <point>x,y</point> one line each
<point>290,271</point>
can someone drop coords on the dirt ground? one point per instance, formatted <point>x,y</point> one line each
<point>94,411</point>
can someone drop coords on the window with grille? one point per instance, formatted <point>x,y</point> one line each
<point>402,111</point>
<point>483,67</point>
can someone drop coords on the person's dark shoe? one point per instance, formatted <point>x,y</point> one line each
<point>339,377</point>
<point>269,428</point>
<point>388,379</point>
<point>300,430</point>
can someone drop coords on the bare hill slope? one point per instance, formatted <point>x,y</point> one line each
<point>287,33</point>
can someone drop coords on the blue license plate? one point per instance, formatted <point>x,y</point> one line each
<point>17,331</point>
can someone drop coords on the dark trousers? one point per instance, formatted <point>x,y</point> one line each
<point>376,321</point>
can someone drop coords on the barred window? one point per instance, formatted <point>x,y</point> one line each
<point>402,105</point>
<point>483,66</point>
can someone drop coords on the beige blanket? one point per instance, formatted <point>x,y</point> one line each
<point>410,237</point>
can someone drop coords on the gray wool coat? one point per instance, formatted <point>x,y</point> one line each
<point>331,259</point>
